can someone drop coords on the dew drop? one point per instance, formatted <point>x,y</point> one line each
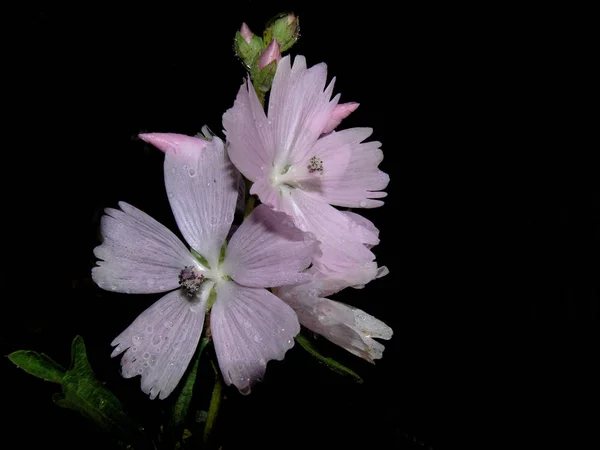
<point>185,167</point>
<point>149,329</point>
<point>257,338</point>
<point>192,172</point>
<point>363,204</point>
<point>145,364</point>
<point>173,170</point>
<point>140,370</point>
<point>270,122</point>
<point>156,340</point>
<point>134,349</point>
<point>146,355</point>
<point>113,287</point>
<point>169,324</point>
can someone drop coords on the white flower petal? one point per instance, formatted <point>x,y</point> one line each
<point>202,187</point>
<point>348,327</point>
<point>138,255</point>
<point>160,343</point>
<point>350,175</point>
<point>249,135</point>
<point>268,250</point>
<point>250,327</point>
<point>299,108</point>
<point>343,240</point>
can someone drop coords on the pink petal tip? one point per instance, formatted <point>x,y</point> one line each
<point>269,54</point>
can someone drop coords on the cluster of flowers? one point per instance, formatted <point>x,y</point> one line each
<point>262,279</point>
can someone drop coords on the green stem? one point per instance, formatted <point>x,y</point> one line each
<point>250,201</point>
<point>329,362</point>
<point>215,404</point>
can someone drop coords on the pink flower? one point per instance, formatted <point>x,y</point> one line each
<point>297,170</point>
<point>249,325</point>
<point>346,326</point>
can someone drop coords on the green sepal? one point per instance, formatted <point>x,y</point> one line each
<point>263,78</point>
<point>248,52</point>
<point>201,259</point>
<point>285,28</point>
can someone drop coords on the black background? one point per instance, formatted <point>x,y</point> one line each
<point>490,229</point>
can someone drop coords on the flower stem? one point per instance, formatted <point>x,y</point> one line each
<point>250,201</point>
<point>215,404</point>
<point>329,362</point>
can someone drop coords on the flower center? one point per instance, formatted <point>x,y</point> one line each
<point>316,165</point>
<point>190,279</point>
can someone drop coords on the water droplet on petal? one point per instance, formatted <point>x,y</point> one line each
<point>363,204</point>
<point>134,349</point>
<point>146,355</point>
<point>192,172</point>
<point>173,170</point>
<point>149,329</point>
<point>156,340</point>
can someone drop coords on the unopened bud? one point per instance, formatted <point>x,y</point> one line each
<point>270,54</point>
<point>340,112</point>
<point>285,28</point>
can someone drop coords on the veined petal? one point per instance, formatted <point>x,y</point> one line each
<point>323,285</point>
<point>161,342</point>
<point>249,134</point>
<point>268,250</point>
<point>342,240</point>
<point>350,176</point>
<point>138,255</point>
<point>299,108</point>
<point>202,188</point>
<point>250,327</point>
<point>348,327</point>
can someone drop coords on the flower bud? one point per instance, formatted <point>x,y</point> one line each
<point>247,45</point>
<point>340,112</point>
<point>285,28</point>
<point>270,54</point>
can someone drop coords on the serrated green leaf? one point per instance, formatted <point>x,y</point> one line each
<point>39,365</point>
<point>331,363</point>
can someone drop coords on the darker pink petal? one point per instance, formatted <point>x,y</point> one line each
<point>340,112</point>
<point>269,54</point>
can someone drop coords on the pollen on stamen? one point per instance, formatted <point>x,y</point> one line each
<point>316,165</point>
<point>190,280</point>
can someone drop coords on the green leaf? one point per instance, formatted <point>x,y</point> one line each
<point>81,391</point>
<point>38,365</point>
<point>182,404</point>
<point>331,363</point>
<point>215,405</point>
